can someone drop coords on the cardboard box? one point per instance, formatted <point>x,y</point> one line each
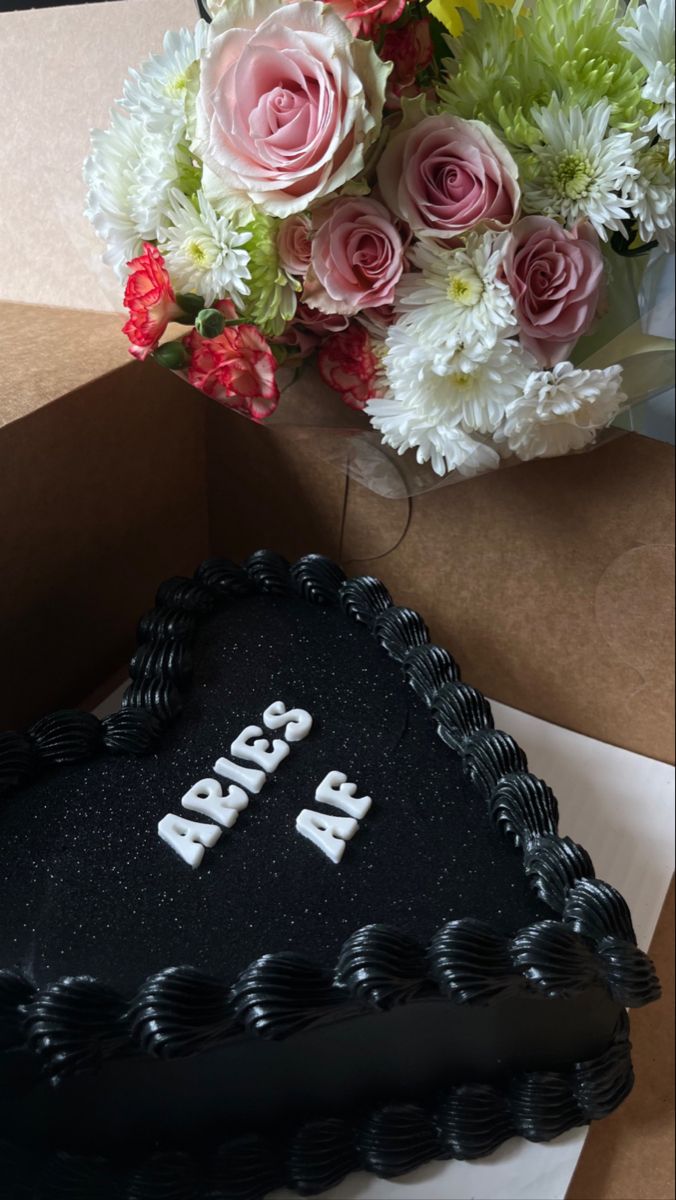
<point>552,583</point>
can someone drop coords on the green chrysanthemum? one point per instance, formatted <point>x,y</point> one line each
<point>581,44</point>
<point>189,170</point>
<point>504,66</point>
<point>490,77</point>
<point>272,300</point>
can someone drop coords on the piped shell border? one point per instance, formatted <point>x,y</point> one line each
<point>465,1122</point>
<point>77,1023</point>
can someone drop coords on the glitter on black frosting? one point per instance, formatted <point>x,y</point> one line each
<point>481,1000</point>
<point>90,888</point>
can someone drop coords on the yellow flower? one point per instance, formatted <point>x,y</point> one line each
<point>447,11</point>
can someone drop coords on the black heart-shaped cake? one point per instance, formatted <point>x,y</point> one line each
<point>296,909</point>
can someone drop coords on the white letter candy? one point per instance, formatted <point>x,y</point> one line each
<point>249,778</point>
<point>298,721</point>
<point>336,791</point>
<point>329,833</point>
<point>206,797</point>
<point>188,838</point>
<point>252,746</point>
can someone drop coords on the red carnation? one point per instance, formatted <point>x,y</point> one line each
<point>150,299</point>
<point>410,51</point>
<point>349,364</point>
<point>363,17</point>
<point>237,368</point>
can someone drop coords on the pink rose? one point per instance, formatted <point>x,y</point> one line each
<point>289,102</point>
<point>348,363</point>
<point>377,321</point>
<point>362,17</point>
<point>317,322</point>
<point>357,257</point>
<point>556,278</point>
<point>294,244</point>
<point>445,176</point>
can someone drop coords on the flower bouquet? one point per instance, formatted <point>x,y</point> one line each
<point>445,213</point>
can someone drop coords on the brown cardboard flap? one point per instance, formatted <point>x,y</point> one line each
<point>102,496</point>
<point>269,489</point>
<point>630,1156</point>
<point>54,351</point>
<point>552,583</point>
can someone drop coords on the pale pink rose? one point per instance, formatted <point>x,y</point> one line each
<point>363,17</point>
<point>377,321</point>
<point>556,278</point>
<point>357,257</point>
<point>319,323</point>
<point>294,244</point>
<point>445,176</point>
<point>308,330</point>
<point>289,102</point>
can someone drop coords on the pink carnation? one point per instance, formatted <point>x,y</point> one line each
<point>348,364</point>
<point>150,299</point>
<point>357,257</point>
<point>556,278</point>
<point>410,50</point>
<point>445,176</point>
<point>362,17</point>
<point>237,368</point>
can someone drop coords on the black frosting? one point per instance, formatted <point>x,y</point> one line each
<point>538,964</point>
<point>379,733</point>
<point>465,1121</point>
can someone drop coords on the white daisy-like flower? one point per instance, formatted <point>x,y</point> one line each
<point>652,195</point>
<point>162,91</point>
<point>648,33</point>
<point>435,402</point>
<point>157,174</point>
<point>110,174</point>
<point>446,447</point>
<point>204,250</point>
<point>561,410</point>
<point>455,295</point>
<point>582,168</point>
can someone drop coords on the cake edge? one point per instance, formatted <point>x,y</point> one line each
<point>467,1122</point>
<point>76,1023</point>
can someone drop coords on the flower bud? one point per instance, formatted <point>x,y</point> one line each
<point>172,355</point>
<point>190,303</point>
<point>210,322</point>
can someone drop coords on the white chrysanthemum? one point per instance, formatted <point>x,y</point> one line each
<point>446,447</point>
<point>435,402</point>
<point>582,168</point>
<point>561,410</point>
<point>164,163</point>
<point>204,251</point>
<point>110,173</point>
<point>162,91</point>
<point>648,33</point>
<point>456,295</point>
<point>651,196</point>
